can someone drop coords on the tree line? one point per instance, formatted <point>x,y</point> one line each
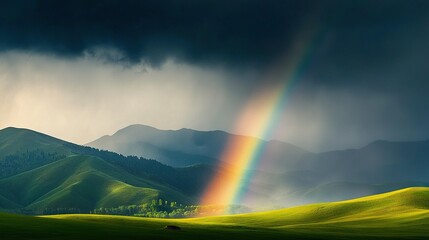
<point>164,209</point>
<point>154,209</point>
<point>25,160</point>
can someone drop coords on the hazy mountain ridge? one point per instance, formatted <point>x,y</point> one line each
<point>191,146</point>
<point>380,161</point>
<point>288,175</point>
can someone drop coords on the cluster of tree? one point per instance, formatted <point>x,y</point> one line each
<point>25,160</point>
<point>164,209</point>
<point>156,208</point>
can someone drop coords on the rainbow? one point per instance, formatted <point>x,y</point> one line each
<point>244,153</point>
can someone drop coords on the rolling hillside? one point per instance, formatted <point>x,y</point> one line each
<point>402,214</point>
<point>82,182</point>
<point>39,172</point>
<point>400,205</point>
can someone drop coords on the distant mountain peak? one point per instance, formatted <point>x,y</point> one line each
<point>135,127</point>
<point>183,147</point>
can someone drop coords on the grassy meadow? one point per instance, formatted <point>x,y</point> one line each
<point>402,214</point>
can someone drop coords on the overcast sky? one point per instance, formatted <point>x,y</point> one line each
<point>82,69</point>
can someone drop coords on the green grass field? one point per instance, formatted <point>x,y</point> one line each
<point>402,214</point>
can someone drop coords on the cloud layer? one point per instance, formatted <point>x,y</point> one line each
<point>209,32</point>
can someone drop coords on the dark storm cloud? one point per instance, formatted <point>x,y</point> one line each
<point>237,32</point>
<point>367,73</point>
<point>224,31</point>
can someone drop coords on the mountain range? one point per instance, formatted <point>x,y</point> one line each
<point>185,147</point>
<point>288,174</point>
<point>39,172</point>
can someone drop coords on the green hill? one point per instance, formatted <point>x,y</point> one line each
<point>402,214</point>
<point>39,172</point>
<point>396,205</point>
<point>82,182</point>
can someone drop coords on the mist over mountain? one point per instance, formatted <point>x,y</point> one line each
<point>286,175</point>
<point>184,147</point>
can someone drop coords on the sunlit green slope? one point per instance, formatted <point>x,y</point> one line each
<point>402,214</point>
<point>394,207</point>
<point>83,182</point>
<point>14,140</point>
